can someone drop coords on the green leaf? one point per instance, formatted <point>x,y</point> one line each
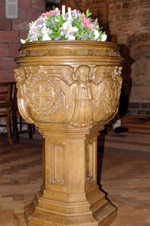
<point>88,13</point>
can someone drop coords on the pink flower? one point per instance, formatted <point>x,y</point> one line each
<point>30,24</point>
<point>87,22</point>
<point>51,13</point>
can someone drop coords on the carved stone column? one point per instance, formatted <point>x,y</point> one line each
<point>69,90</point>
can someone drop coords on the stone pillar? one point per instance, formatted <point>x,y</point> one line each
<point>71,195</point>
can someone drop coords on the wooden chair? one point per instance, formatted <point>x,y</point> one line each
<point>7,94</point>
<point>19,123</point>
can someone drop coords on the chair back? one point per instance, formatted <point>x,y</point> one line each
<point>7,95</point>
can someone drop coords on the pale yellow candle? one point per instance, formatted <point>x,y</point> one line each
<point>69,12</point>
<point>63,10</point>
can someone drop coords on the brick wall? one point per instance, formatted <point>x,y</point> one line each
<point>136,108</point>
<point>12,30</point>
<point>128,17</point>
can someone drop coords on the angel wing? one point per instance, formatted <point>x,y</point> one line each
<point>64,73</point>
<point>101,72</point>
<point>106,90</point>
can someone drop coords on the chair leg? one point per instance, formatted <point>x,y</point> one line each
<point>15,129</point>
<point>8,126</point>
<point>30,131</point>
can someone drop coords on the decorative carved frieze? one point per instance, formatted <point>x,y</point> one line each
<point>81,95</point>
<point>69,52</point>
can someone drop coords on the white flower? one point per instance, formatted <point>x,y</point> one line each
<point>67,26</point>
<point>71,37</point>
<point>22,41</point>
<point>96,33</point>
<point>46,37</point>
<point>74,29</point>
<point>45,30</point>
<point>104,37</point>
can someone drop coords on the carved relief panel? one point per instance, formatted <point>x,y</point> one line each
<point>55,165</point>
<point>79,95</point>
<point>91,160</point>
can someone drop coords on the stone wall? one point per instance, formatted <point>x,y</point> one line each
<point>12,30</point>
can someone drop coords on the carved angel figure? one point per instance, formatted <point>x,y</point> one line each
<point>78,96</point>
<point>92,97</point>
<point>83,97</point>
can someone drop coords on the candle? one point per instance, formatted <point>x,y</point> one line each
<point>63,10</point>
<point>69,12</point>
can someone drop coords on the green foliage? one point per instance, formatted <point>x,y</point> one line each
<point>88,13</point>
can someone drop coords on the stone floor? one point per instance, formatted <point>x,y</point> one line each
<point>124,167</point>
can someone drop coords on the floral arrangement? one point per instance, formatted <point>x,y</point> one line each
<point>59,25</point>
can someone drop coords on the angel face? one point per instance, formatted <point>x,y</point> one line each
<point>82,73</point>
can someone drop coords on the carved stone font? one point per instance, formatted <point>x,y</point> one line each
<point>69,90</point>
